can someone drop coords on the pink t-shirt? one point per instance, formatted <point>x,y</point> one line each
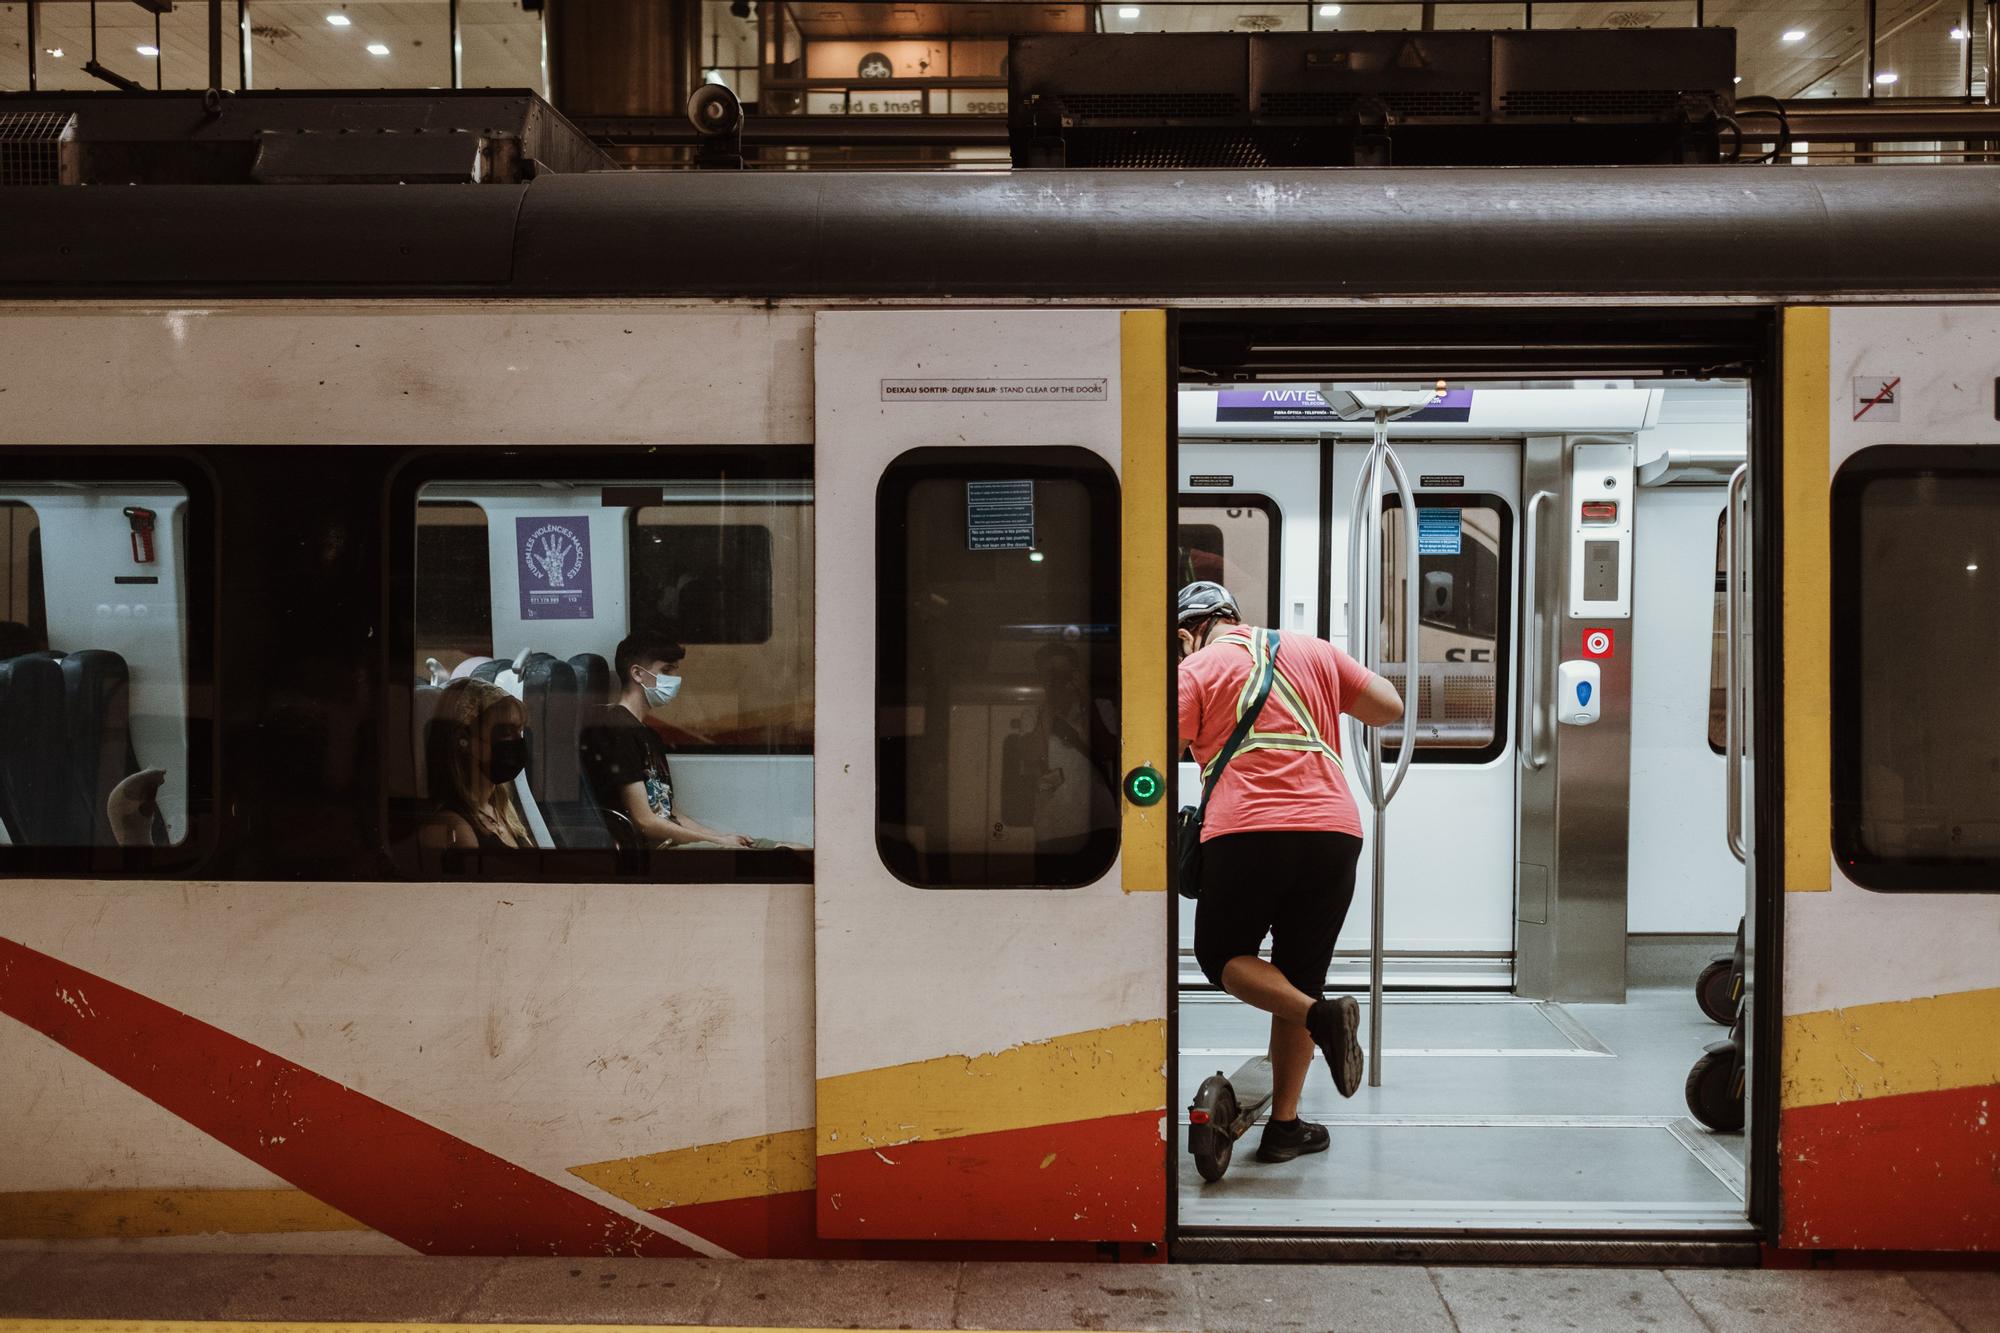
<point>1271,789</point>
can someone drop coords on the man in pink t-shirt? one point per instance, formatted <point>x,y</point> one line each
<point>1280,839</point>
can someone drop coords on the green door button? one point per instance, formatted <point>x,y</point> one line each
<point>1145,786</point>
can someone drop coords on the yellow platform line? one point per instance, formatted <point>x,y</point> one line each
<point>319,1326</point>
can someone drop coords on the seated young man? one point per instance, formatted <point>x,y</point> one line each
<point>626,762</point>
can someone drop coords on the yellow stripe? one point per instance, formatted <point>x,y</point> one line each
<point>321,1326</point>
<point>1079,1076</point>
<point>1933,1044</point>
<point>132,1214</point>
<point>1143,469</point>
<point>749,1168</point>
<point>1808,638</point>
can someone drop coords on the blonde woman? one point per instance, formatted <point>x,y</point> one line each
<point>475,747</point>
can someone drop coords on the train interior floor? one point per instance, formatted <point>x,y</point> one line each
<point>1494,1112</point>
<point>360,1294</point>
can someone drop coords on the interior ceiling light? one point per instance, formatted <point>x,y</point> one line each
<point>1960,35</point>
<point>1128,12</point>
<point>1329,11</point>
<point>339,20</point>
<point>148,50</point>
<point>1885,78</point>
<point>1795,35</point>
<point>377,49</point>
<point>55,51</point>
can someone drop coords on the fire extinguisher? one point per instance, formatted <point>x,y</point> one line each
<point>142,533</point>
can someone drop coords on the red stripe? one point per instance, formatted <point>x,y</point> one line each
<point>1087,1180</point>
<point>388,1170</point>
<point>1916,1172</point>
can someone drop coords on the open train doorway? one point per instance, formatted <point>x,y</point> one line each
<point>1548,559</point>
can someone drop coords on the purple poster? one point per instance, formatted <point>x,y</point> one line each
<point>554,568</point>
<point>1306,405</point>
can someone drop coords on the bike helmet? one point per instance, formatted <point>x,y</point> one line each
<point>1199,601</point>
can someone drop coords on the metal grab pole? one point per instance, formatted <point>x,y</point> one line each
<point>1378,793</point>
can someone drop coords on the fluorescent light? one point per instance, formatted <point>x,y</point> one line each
<point>148,50</point>
<point>339,20</point>
<point>1972,569</point>
<point>1739,78</point>
<point>55,51</point>
<point>1885,78</point>
<point>1960,35</point>
<point>1795,35</point>
<point>1036,557</point>
<point>1329,11</point>
<point>1128,11</point>
<point>377,49</point>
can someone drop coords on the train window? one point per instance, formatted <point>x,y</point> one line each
<point>1231,540</point>
<point>997,668</point>
<point>1465,550</point>
<point>101,771</point>
<point>1718,653</point>
<point>611,667</point>
<point>1916,612</point>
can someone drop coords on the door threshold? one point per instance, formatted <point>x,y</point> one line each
<point>1738,1247</point>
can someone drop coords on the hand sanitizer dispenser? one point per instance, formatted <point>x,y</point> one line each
<point>1580,693</point>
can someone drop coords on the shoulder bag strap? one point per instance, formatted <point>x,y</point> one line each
<point>1263,668</point>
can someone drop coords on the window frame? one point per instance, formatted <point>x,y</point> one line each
<point>1265,505</point>
<point>1508,560</point>
<point>639,466</point>
<point>1848,694</point>
<point>201,633</point>
<point>899,477</point>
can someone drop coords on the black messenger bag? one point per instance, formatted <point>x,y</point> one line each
<point>1187,825</point>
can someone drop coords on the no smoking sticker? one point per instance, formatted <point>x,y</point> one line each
<point>1875,397</point>
<point>1597,643</point>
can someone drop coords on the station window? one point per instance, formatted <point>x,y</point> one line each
<point>101,771</point>
<point>997,668</point>
<point>1465,553</point>
<point>1916,612</point>
<point>1231,540</point>
<point>611,667</point>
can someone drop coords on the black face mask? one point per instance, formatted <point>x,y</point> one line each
<point>508,758</point>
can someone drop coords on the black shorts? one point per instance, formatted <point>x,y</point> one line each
<point>1294,886</point>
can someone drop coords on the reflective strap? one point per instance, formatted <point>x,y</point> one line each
<point>1310,740</point>
<point>1272,740</point>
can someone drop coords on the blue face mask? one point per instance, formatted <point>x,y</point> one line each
<point>662,691</point>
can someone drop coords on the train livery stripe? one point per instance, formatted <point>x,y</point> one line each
<point>1143,478</point>
<point>127,1214</point>
<point>1808,603</point>
<point>1938,1043</point>
<point>1914,1172</point>
<point>708,1173</point>
<point>1079,1076</point>
<point>384,1168</point>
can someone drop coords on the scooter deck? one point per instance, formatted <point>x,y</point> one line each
<point>1252,1086</point>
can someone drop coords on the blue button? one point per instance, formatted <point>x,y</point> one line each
<point>1583,693</point>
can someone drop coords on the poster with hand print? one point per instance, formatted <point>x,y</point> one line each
<point>555,568</point>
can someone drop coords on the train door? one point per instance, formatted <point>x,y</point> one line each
<point>991,734</point>
<point>1537,555</point>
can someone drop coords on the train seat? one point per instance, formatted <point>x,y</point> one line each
<point>97,700</point>
<point>550,692</point>
<point>594,686</point>
<point>37,792</point>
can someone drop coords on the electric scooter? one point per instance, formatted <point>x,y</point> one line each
<point>1223,1111</point>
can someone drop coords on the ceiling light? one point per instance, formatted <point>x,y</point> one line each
<point>55,51</point>
<point>339,20</point>
<point>1128,11</point>
<point>1739,78</point>
<point>1885,78</point>
<point>148,50</point>
<point>1329,11</point>
<point>1972,569</point>
<point>1036,557</point>
<point>1795,35</point>
<point>1960,35</point>
<point>377,49</point>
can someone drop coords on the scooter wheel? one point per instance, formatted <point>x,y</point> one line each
<point>1715,991</point>
<point>1211,1143</point>
<point>1713,1096</point>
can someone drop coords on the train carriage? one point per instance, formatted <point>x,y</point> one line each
<point>917,512</point>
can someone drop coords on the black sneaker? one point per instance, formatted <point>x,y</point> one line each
<point>1334,1024</point>
<point>1285,1139</point>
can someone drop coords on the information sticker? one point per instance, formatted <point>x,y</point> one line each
<point>999,515</point>
<point>1439,531</point>
<point>555,567</point>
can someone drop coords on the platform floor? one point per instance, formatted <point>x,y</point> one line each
<point>293,1290</point>
<point>1493,1112</point>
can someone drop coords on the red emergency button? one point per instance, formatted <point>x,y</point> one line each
<point>1600,511</point>
<point>1598,642</point>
